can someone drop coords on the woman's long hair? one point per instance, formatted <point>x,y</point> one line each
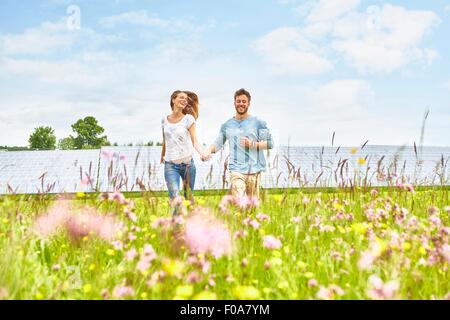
<point>192,103</point>
<point>192,106</point>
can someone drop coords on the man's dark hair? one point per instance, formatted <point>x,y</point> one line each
<point>241,92</point>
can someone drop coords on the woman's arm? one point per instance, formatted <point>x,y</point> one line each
<point>163,151</point>
<point>195,143</point>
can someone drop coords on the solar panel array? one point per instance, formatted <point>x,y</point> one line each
<point>47,171</point>
<point>138,168</point>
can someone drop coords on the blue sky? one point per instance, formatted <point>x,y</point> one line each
<point>367,70</point>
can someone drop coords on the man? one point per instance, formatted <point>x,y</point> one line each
<point>248,137</point>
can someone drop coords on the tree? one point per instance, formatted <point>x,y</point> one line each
<point>42,138</point>
<point>67,143</point>
<point>88,134</point>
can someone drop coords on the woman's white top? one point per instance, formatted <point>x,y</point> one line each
<point>177,138</point>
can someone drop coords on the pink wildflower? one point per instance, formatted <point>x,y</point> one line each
<point>296,219</point>
<point>117,196</point>
<point>224,203</point>
<point>143,265</point>
<point>445,252</point>
<point>156,277</point>
<point>255,224</point>
<point>86,223</point>
<point>121,292</point>
<point>434,219</point>
<point>240,234</point>
<point>262,217</point>
<point>312,283</point>
<point>373,192</point>
<point>324,293</point>
<point>131,236</point>
<point>433,210</point>
<point>130,215</point>
<point>253,202</point>
<point>381,290</point>
<point>330,292</point>
<point>193,277</point>
<point>366,261</point>
<point>117,244</point>
<point>270,242</point>
<point>147,256</point>
<point>131,254</point>
<point>205,234</point>
<point>305,200</point>
<point>56,267</point>
<point>242,202</point>
<point>162,222</point>
<point>409,187</point>
<point>149,252</point>
<point>50,223</point>
<point>106,155</point>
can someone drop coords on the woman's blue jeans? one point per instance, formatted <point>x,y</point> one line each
<point>173,172</point>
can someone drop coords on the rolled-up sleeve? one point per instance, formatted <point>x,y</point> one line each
<point>221,139</point>
<point>264,134</point>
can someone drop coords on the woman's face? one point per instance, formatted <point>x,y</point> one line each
<point>180,101</point>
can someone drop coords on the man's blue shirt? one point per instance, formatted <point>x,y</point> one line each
<point>243,159</point>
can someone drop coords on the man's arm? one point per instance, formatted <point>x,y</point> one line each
<point>218,144</point>
<point>264,138</point>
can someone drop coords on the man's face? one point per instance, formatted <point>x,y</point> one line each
<point>241,104</point>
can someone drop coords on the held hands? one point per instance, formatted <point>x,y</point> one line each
<point>205,156</point>
<point>162,159</point>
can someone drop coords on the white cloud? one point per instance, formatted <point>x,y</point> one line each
<point>140,18</point>
<point>307,114</point>
<point>286,2</point>
<point>447,8</point>
<point>385,39</point>
<point>48,36</point>
<point>143,20</point>
<point>343,97</point>
<point>286,51</point>
<point>326,10</point>
<point>377,40</point>
<point>51,37</point>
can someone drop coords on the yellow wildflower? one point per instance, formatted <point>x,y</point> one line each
<point>184,291</point>
<point>173,267</point>
<point>87,288</point>
<point>205,295</point>
<point>246,293</point>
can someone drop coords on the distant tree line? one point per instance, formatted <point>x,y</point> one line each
<point>87,135</point>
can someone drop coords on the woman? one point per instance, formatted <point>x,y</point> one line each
<point>179,139</point>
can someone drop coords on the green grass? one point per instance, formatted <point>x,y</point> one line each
<point>321,247</point>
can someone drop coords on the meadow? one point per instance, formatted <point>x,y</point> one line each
<point>357,243</point>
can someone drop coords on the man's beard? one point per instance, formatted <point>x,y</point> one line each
<point>243,112</point>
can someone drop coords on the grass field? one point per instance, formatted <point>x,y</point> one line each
<point>391,243</point>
